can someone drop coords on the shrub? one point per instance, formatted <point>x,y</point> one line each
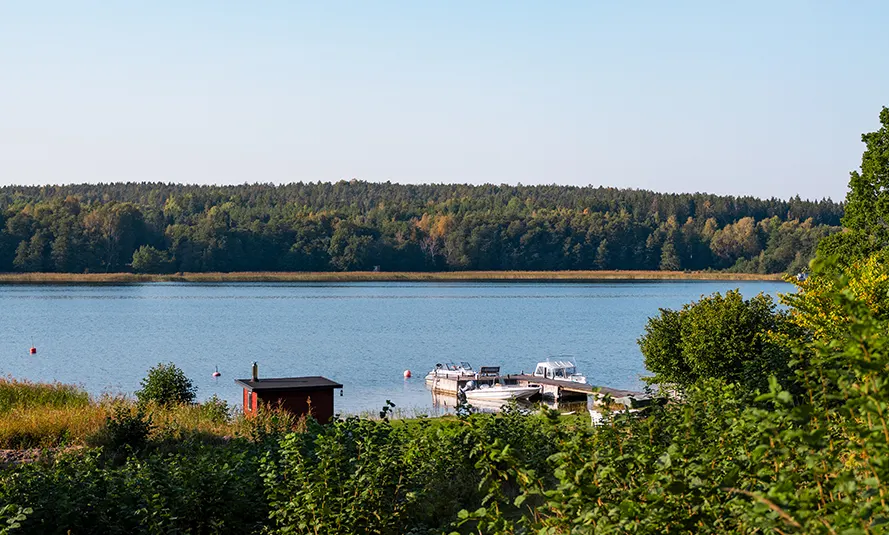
<point>203,490</point>
<point>11,517</point>
<point>719,337</point>
<point>216,409</point>
<point>391,477</point>
<point>814,307</point>
<point>127,426</point>
<point>166,384</point>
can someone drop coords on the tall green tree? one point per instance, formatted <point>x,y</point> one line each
<point>866,217</point>
<point>148,259</point>
<point>669,258</point>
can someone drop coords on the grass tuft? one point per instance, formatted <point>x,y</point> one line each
<point>50,427</point>
<point>17,394</point>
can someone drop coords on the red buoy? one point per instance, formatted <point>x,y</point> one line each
<point>216,373</point>
<point>407,374</point>
<point>33,350</point>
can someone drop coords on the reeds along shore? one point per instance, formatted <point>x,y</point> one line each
<point>54,415</point>
<point>381,276</point>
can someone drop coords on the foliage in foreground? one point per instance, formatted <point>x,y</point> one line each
<point>202,489</point>
<point>352,476</point>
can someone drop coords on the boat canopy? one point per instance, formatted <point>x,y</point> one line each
<point>562,364</point>
<point>451,366</point>
<point>560,367</point>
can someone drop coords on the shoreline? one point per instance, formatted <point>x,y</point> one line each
<point>382,276</point>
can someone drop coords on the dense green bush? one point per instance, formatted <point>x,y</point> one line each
<point>199,490</point>
<point>11,517</point>
<point>166,384</point>
<point>364,476</point>
<point>216,409</point>
<point>126,427</point>
<point>719,337</point>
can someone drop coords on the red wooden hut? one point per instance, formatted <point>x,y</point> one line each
<point>299,395</point>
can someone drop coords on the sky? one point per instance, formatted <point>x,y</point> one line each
<point>756,98</point>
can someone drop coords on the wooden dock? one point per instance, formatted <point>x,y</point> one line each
<point>550,388</point>
<point>566,389</point>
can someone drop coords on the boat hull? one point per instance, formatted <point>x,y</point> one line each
<point>432,377</point>
<point>503,393</point>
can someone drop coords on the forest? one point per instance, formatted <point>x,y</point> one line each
<point>363,226</point>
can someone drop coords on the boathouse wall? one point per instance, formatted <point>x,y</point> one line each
<point>318,403</point>
<point>298,395</point>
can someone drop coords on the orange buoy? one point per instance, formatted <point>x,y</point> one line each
<point>33,350</point>
<point>407,374</point>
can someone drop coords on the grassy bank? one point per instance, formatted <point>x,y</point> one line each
<point>54,415</point>
<point>370,276</point>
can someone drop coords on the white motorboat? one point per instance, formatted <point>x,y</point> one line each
<point>450,370</point>
<point>561,368</point>
<point>499,392</point>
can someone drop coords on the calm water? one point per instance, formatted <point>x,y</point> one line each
<point>363,335</point>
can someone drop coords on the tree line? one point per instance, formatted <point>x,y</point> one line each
<point>356,225</point>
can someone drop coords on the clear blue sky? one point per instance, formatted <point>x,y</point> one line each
<point>759,97</point>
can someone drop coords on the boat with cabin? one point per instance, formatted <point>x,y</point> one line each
<point>559,368</point>
<point>498,392</point>
<point>490,386</point>
<point>485,384</point>
<point>450,370</point>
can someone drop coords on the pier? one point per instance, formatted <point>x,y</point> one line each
<point>566,390</point>
<point>549,388</point>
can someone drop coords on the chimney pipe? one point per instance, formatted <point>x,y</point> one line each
<point>255,372</point>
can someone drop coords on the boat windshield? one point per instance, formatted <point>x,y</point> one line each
<point>559,372</point>
<point>466,366</point>
<point>451,366</point>
<point>540,371</point>
<point>571,371</point>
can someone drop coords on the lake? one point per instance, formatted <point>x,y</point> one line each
<point>363,335</point>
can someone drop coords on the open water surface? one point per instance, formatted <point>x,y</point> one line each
<point>363,335</point>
